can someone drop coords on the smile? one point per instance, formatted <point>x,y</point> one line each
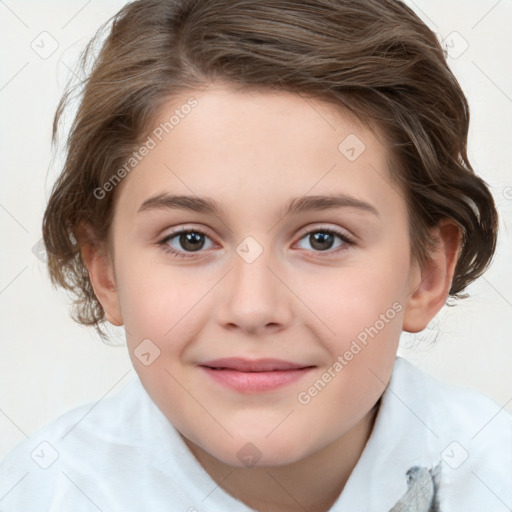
<point>254,376</point>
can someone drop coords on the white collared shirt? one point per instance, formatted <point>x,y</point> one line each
<point>125,456</point>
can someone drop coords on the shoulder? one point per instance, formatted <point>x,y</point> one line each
<point>450,406</point>
<point>34,472</point>
<point>102,417</point>
<point>469,432</point>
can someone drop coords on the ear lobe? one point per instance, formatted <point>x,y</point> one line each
<point>432,282</point>
<point>101,274</point>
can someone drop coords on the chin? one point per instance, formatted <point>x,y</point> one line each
<point>260,453</point>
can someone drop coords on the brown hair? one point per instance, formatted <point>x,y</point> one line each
<point>375,57</point>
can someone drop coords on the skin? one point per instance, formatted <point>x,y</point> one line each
<point>252,152</point>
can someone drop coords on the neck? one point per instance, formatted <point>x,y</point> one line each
<point>313,483</point>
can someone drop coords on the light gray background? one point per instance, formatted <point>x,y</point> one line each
<point>49,364</point>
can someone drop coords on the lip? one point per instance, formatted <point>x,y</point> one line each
<point>256,375</point>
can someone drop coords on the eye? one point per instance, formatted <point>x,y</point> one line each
<point>323,239</point>
<point>185,241</point>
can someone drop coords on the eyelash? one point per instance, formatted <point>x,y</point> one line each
<point>348,241</point>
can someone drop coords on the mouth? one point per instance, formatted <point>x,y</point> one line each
<point>254,376</point>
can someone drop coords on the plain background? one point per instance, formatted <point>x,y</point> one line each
<point>49,364</point>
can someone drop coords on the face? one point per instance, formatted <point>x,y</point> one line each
<point>267,305</point>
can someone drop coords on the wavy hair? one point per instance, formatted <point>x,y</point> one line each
<point>374,57</point>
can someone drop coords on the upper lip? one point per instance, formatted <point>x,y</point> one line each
<point>253,365</point>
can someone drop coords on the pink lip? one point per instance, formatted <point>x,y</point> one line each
<point>254,375</point>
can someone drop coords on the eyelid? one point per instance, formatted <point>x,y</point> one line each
<point>186,227</point>
<point>184,255</point>
<point>344,233</point>
<point>304,231</point>
<point>346,237</point>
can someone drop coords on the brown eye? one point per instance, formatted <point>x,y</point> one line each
<point>186,241</point>
<point>322,240</point>
<point>191,241</point>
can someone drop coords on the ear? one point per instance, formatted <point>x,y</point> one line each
<point>101,273</point>
<point>431,283</point>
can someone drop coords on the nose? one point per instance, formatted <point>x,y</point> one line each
<point>254,298</point>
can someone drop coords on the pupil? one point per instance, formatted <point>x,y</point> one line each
<point>321,240</point>
<point>194,241</point>
<point>191,241</point>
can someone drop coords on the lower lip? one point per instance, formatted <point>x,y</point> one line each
<point>255,382</point>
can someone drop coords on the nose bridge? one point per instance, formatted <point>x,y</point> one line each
<point>256,298</point>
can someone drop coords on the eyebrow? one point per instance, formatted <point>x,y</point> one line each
<point>294,206</point>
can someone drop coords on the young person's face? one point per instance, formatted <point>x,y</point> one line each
<point>262,282</point>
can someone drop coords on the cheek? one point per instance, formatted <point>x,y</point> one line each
<point>157,307</point>
<point>355,298</point>
<point>152,298</point>
<point>364,311</point>
<point>363,308</point>
<point>149,309</point>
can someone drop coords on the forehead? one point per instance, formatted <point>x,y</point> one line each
<point>259,148</point>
